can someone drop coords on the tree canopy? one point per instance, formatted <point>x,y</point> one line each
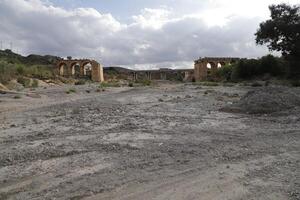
<point>282,31</point>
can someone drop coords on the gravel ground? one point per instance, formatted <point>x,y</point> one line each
<point>170,141</point>
<point>266,100</point>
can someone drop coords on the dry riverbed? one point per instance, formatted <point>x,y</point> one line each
<point>170,141</point>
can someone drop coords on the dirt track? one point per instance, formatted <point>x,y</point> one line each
<point>166,142</point>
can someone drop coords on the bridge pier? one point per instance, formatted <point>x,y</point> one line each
<point>149,76</point>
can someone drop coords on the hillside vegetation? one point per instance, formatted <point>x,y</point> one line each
<point>15,66</point>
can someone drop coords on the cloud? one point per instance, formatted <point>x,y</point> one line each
<point>154,38</point>
<point>152,18</point>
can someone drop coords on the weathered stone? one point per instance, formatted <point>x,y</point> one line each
<point>68,68</point>
<point>202,73</point>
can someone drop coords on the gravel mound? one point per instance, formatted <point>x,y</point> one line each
<point>265,100</point>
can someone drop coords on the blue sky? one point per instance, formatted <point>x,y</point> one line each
<point>135,33</point>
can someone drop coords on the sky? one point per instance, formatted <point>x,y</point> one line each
<point>139,34</point>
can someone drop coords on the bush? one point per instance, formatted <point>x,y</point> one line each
<point>250,68</point>
<point>71,90</point>
<point>271,65</point>
<point>295,83</point>
<point>35,83</point>
<point>24,81</point>
<point>20,70</point>
<point>210,84</point>
<point>130,84</point>
<point>17,97</point>
<point>40,72</point>
<point>144,82</point>
<point>7,72</point>
<point>293,68</point>
<point>80,82</point>
<point>225,72</point>
<point>256,84</point>
<point>109,84</point>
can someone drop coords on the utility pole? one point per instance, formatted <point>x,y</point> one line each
<point>11,46</point>
<point>1,44</point>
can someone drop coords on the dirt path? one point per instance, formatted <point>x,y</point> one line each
<point>167,142</point>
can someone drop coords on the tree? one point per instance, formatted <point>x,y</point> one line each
<point>282,33</point>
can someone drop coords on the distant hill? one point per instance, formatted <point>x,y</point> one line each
<point>117,69</point>
<point>13,58</point>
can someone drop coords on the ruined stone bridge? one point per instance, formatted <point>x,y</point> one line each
<point>207,67</point>
<point>81,68</point>
<point>204,69</point>
<point>164,74</point>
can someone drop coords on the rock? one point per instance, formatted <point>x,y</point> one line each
<point>2,87</point>
<point>14,85</point>
<point>264,101</point>
<point>42,83</point>
<point>33,95</point>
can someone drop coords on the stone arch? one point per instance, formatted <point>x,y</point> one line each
<point>73,67</point>
<point>86,68</point>
<point>202,72</point>
<point>213,69</point>
<point>63,69</point>
<point>213,65</point>
<point>78,67</point>
<point>221,64</point>
<point>208,65</point>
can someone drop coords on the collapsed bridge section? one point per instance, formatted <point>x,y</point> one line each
<point>206,68</point>
<point>80,68</point>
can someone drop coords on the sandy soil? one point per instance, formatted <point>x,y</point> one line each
<point>163,142</point>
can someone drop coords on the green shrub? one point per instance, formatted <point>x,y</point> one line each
<point>80,82</point>
<point>256,84</point>
<point>228,84</point>
<point>35,83</point>
<point>71,90</point>
<point>295,83</point>
<point>225,72</point>
<point>109,84</point>
<point>272,65</point>
<point>40,71</point>
<point>7,72</point>
<point>234,77</point>
<point>130,84</point>
<point>24,81</point>
<point>293,68</point>
<point>144,82</point>
<point>210,84</point>
<point>17,97</point>
<point>20,70</point>
<point>250,68</point>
